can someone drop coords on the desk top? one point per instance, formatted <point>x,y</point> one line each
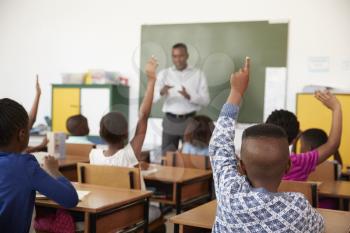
<point>72,160</point>
<point>339,189</point>
<point>204,216</point>
<point>176,174</point>
<point>336,221</point>
<point>100,198</point>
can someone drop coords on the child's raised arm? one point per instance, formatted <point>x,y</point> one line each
<point>145,108</point>
<point>34,110</point>
<point>333,142</point>
<point>221,147</point>
<point>239,84</point>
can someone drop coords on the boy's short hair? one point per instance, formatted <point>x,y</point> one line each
<point>113,127</point>
<point>264,130</point>
<point>180,46</point>
<point>199,130</point>
<point>13,117</point>
<point>75,123</point>
<point>314,137</point>
<point>287,120</point>
<point>265,152</point>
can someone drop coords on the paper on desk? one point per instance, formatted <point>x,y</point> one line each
<point>40,196</point>
<point>81,195</point>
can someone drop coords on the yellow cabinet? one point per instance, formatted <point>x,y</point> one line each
<point>92,101</point>
<point>312,114</point>
<point>65,103</point>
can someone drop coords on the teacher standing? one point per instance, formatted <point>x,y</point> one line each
<point>185,91</point>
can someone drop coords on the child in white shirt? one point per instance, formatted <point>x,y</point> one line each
<point>114,131</point>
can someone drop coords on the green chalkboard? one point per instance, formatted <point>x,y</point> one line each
<point>218,49</point>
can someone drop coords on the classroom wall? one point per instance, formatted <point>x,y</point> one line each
<point>51,37</point>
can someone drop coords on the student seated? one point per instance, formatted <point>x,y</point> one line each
<point>305,163</point>
<point>78,129</point>
<point>313,138</point>
<point>310,140</point>
<point>246,189</point>
<point>197,136</point>
<point>114,131</point>
<point>21,175</point>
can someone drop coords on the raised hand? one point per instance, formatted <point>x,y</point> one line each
<point>239,83</point>
<point>37,85</point>
<point>239,80</point>
<point>34,110</point>
<point>328,99</point>
<point>151,68</point>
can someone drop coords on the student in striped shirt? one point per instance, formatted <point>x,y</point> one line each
<point>246,189</point>
<point>304,163</point>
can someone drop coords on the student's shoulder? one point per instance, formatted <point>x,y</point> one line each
<point>23,157</point>
<point>304,157</point>
<point>96,152</point>
<point>127,150</point>
<point>24,161</point>
<point>295,199</point>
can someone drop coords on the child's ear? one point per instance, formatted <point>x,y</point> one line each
<point>288,166</point>
<point>241,168</point>
<point>23,137</point>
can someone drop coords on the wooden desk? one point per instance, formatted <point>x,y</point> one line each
<point>336,221</point>
<point>201,219</point>
<point>108,209</point>
<point>185,186</point>
<point>337,189</point>
<point>68,166</point>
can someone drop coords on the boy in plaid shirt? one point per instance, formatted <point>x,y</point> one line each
<point>246,189</point>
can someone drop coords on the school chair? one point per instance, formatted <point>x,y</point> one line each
<point>128,178</point>
<point>118,177</point>
<point>178,159</point>
<point>309,190</point>
<point>82,150</point>
<point>326,171</point>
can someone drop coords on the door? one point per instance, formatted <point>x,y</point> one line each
<point>95,103</point>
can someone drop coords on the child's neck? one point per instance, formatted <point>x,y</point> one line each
<point>269,186</point>
<point>113,148</point>
<point>11,149</point>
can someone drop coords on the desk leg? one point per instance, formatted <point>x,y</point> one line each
<point>178,205</point>
<point>181,228</point>
<point>346,204</point>
<point>146,211</point>
<point>211,189</point>
<point>86,222</point>
<point>178,198</point>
